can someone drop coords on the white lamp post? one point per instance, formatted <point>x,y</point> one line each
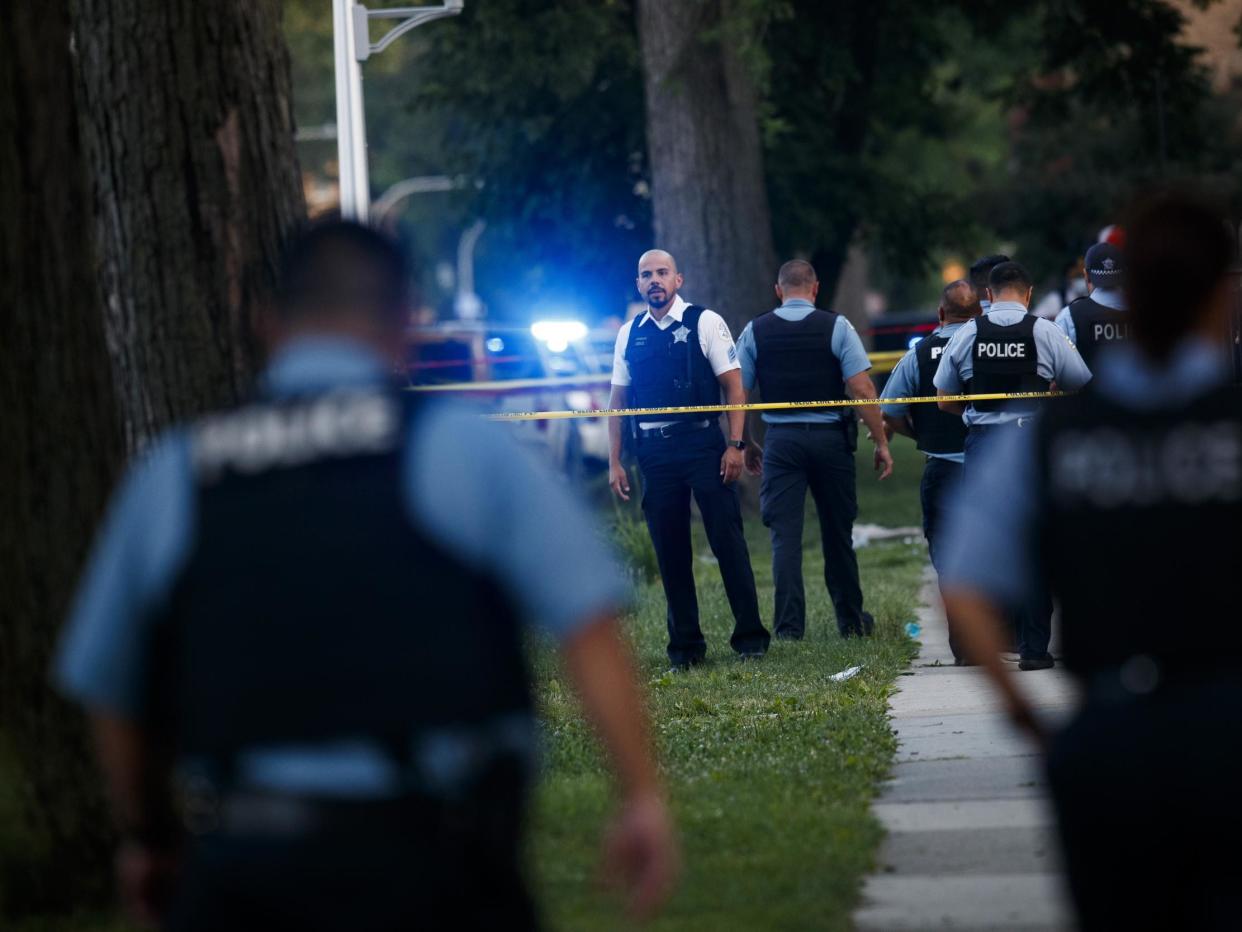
<point>351,31</point>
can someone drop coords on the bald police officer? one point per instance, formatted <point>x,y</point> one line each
<point>1129,496</point>
<point>798,353</point>
<point>1098,318</point>
<point>678,354</point>
<point>1006,350</point>
<point>940,436</point>
<point>304,620</point>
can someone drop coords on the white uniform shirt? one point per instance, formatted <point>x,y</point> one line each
<point>714,339</point>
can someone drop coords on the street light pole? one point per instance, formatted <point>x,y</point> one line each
<point>351,32</point>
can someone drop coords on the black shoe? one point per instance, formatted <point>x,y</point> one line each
<point>788,636</point>
<point>868,624</point>
<point>963,662</point>
<point>681,666</point>
<point>1037,662</point>
<point>864,629</point>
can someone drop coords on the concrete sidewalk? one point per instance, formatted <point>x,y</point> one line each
<point>970,843</point>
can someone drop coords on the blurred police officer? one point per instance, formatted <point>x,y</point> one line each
<point>1130,497</point>
<point>979,273</point>
<point>308,613</point>
<point>798,353</point>
<point>940,436</point>
<point>1098,318</point>
<point>678,354</point>
<point>1005,350</point>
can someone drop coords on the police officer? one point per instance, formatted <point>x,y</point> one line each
<point>1007,349</point>
<point>979,273</point>
<point>306,614</point>
<point>678,354</point>
<point>1130,497</point>
<point>1098,317</point>
<point>800,353</point>
<point>939,435</point>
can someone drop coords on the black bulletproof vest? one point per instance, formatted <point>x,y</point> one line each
<point>935,431</point>
<point>794,359</point>
<point>313,606</point>
<point>1141,516</point>
<point>668,368</point>
<point>1095,326</point>
<point>1004,359</point>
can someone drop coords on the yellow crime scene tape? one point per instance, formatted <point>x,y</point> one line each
<point>764,406</point>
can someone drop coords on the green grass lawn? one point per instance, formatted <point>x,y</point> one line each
<point>770,764</point>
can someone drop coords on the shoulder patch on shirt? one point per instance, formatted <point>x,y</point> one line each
<point>732,354</point>
<point>723,330</point>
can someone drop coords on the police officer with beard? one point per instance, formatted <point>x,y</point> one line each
<point>940,436</point>
<point>1129,497</point>
<point>677,354</point>
<point>1098,318</point>
<point>1007,350</point>
<point>300,640</point>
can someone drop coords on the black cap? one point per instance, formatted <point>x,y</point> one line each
<point>1104,265</point>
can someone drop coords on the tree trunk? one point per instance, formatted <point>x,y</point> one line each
<point>147,183</point>
<point>60,452</point>
<point>709,196</point>
<point>186,115</point>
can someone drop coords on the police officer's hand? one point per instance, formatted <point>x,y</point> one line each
<point>619,481</point>
<point>147,877</point>
<point>641,854</point>
<point>731,465</point>
<point>754,459</point>
<point>883,461</point>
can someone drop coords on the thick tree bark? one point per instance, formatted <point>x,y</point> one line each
<point>59,454</point>
<point>147,183</point>
<point>709,196</point>
<point>186,115</point>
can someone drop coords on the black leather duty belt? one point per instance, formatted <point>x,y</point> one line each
<point>676,429</point>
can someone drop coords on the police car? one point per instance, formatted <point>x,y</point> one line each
<point>477,359</point>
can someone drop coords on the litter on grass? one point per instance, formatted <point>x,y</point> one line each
<point>845,674</point>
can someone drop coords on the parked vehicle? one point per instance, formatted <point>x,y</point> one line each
<point>480,358</point>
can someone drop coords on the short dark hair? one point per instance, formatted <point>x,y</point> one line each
<point>796,273</point>
<point>1177,251</point>
<point>960,300</point>
<point>338,267</point>
<point>1008,275</point>
<point>982,268</point>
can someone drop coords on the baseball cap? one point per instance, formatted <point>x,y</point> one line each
<point>1104,266</point>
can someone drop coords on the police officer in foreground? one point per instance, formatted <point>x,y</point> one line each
<point>1005,350</point>
<point>677,354</point>
<point>798,353</point>
<point>940,436</point>
<point>300,641</point>
<point>1098,318</point>
<point>1129,496</point>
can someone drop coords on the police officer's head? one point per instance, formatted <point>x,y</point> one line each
<point>980,271</point>
<point>1104,267</point>
<point>797,279</point>
<point>343,279</point>
<point>959,302</point>
<point>1010,282</point>
<point>658,278</point>
<point>1177,255</point>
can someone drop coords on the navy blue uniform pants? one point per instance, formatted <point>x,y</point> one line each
<point>1032,620</point>
<point>940,480</point>
<point>797,457</point>
<point>1145,791</point>
<point>674,468</point>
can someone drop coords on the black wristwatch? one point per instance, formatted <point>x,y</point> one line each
<point>738,444</point>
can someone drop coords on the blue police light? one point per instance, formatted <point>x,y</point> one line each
<point>558,334</point>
